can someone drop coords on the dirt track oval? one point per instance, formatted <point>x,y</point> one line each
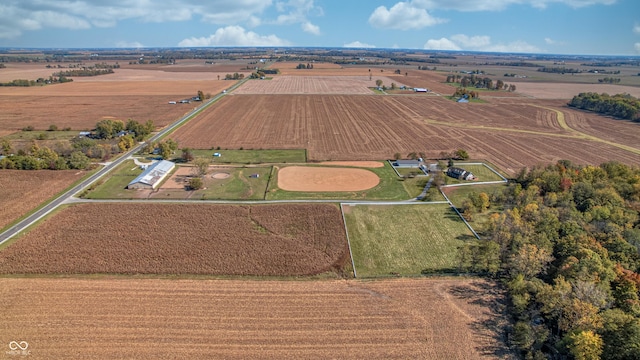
<point>307,178</point>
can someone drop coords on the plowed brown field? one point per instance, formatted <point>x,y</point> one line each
<point>126,238</point>
<point>509,133</point>
<point>22,191</point>
<point>313,85</point>
<point>127,94</point>
<point>226,319</point>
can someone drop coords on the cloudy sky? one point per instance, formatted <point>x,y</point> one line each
<point>598,27</point>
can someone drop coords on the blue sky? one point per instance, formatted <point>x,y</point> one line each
<point>590,27</point>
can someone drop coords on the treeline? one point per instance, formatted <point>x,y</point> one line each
<point>110,137</point>
<point>38,82</point>
<point>303,66</point>
<point>479,82</point>
<point>568,249</point>
<point>84,72</point>
<point>623,106</point>
<point>559,70</point>
<point>234,76</point>
<point>609,80</point>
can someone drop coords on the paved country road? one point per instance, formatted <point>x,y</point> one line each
<point>39,214</point>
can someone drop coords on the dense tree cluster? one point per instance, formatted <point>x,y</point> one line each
<point>623,106</point>
<point>109,129</point>
<point>303,66</point>
<point>479,82</point>
<point>42,157</point>
<point>568,248</point>
<point>234,76</point>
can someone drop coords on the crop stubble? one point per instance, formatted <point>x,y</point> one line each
<point>510,134</point>
<point>22,191</point>
<point>121,238</point>
<point>156,318</point>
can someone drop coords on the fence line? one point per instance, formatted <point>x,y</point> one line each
<point>346,231</point>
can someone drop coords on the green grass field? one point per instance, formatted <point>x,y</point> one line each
<point>389,188</point>
<point>404,239</point>
<point>238,186</point>
<point>114,187</point>
<point>249,156</point>
<point>458,194</point>
<point>481,172</point>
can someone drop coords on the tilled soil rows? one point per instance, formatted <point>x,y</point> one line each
<point>121,238</point>
<point>231,319</point>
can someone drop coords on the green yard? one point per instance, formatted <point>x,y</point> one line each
<point>251,156</point>
<point>404,239</point>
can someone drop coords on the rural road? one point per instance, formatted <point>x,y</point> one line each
<point>48,208</point>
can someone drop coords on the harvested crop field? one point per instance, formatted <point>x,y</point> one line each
<point>23,190</point>
<point>83,112</point>
<point>322,69</point>
<point>366,164</point>
<point>568,91</point>
<point>307,178</point>
<point>127,238</point>
<point>508,133</point>
<point>160,319</point>
<point>353,85</point>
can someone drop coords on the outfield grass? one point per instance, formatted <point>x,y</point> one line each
<point>404,239</point>
<point>250,156</point>
<point>238,186</point>
<point>389,188</point>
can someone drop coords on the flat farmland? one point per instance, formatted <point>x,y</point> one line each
<point>323,69</point>
<point>127,94</point>
<point>128,238</point>
<point>22,191</point>
<point>546,90</point>
<point>83,112</point>
<point>508,133</point>
<point>354,85</point>
<point>231,319</point>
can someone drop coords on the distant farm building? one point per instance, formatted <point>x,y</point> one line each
<point>152,176</point>
<point>420,90</point>
<point>459,173</point>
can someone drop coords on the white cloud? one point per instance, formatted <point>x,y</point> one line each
<point>358,44</point>
<point>441,44</point>
<point>549,41</point>
<point>17,16</point>
<point>497,5</point>
<point>310,28</point>
<point>636,28</point>
<point>473,42</point>
<point>478,43</point>
<point>297,12</point>
<point>402,16</point>
<point>637,47</point>
<point>234,36</point>
<point>129,44</point>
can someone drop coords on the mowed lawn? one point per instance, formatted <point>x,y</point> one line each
<point>404,239</point>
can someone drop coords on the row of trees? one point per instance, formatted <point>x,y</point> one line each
<point>623,106</point>
<point>568,250</point>
<point>38,82</point>
<point>234,76</point>
<point>303,66</point>
<point>479,82</point>
<point>609,80</point>
<point>83,72</point>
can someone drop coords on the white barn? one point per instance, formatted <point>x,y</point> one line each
<point>152,176</point>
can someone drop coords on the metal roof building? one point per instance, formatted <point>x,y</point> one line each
<point>152,176</point>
